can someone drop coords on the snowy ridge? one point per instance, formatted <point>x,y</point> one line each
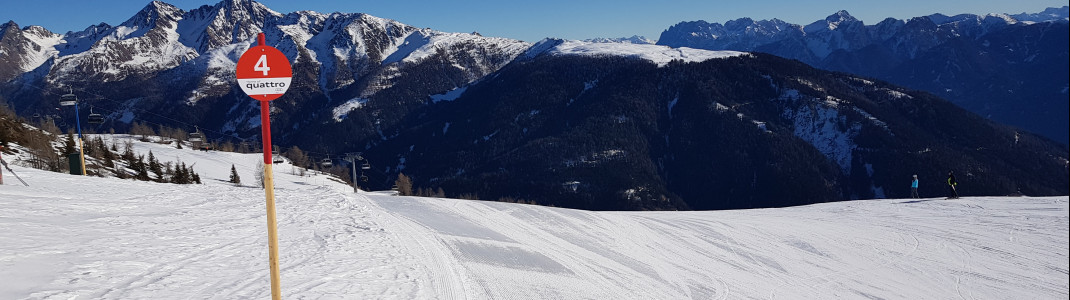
<point>84,237</point>
<point>635,39</point>
<point>660,55</point>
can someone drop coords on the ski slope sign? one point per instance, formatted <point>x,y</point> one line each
<point>263,72</point>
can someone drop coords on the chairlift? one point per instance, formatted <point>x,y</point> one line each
<point>68,100</point>
<point>95,118</point>
<point>196,137</point>
<point>275,157</point>
<point>364,178</point>
<point>326,163</point>
<point>36,115</point>
<point>366,166</point>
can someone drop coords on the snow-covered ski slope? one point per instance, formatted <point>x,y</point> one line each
<point>73,237</point>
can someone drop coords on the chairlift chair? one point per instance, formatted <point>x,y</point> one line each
<point>196,137</point>
<point>68,100</point>
<point>95,118</point>
<point>326,163</point>
<point>364,178</point>
<point>275,157</point>
<point>366,166</point>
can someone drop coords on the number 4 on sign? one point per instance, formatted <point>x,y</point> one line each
<point>261,65</point>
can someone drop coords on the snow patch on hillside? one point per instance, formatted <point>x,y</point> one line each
<point>341,111</point>
<point>822,126</point>
<point>449,96</point>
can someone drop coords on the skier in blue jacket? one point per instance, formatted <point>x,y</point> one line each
<point>914,187</point>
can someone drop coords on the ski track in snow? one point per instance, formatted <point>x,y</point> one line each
<point>79,237</point>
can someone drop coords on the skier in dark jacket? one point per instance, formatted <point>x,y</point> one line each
<point>951,183</point>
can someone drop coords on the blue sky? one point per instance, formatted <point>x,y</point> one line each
<point>533,20</point>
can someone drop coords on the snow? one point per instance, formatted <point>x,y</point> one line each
<point>898,94</point>
<point>341,111</point>
<point>660,55</point>
<point>412,42</point>
<point>69,237</point>
<point>450,95</point>
<point>44,48</point>
<point>430,42</point>
<point>823,127</point>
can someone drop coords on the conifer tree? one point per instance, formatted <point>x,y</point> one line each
<point>141,168</point>
<point>234,178</point>
<point>155,167</point>
<point>69,146</point>
<point>181,174</point>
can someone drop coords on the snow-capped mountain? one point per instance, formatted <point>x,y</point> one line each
<point>1005,67</point>
<point>23,50</point>
<point>166,57</point>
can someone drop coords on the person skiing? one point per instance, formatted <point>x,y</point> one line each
<point>952,183</point>
<point>914,187</point>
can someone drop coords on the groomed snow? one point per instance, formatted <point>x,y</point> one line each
<point>660,55</point>
<point>67,237</point>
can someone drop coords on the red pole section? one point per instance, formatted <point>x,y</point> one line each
<point>265,130</point>
<point>260,39</point>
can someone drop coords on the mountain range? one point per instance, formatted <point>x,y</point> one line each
<point>613,124</point>
<point>1009,68</point>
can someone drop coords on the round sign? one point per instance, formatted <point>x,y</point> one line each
<point>264,73</point>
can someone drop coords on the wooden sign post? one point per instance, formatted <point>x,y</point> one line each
<point>264,74</point>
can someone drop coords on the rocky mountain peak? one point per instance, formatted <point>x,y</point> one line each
<point>156,12</point>
<point>226,22</point>
<point>9,24</point>
<point>833,22</point>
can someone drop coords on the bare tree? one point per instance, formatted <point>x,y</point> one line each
<point>404,184</point>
